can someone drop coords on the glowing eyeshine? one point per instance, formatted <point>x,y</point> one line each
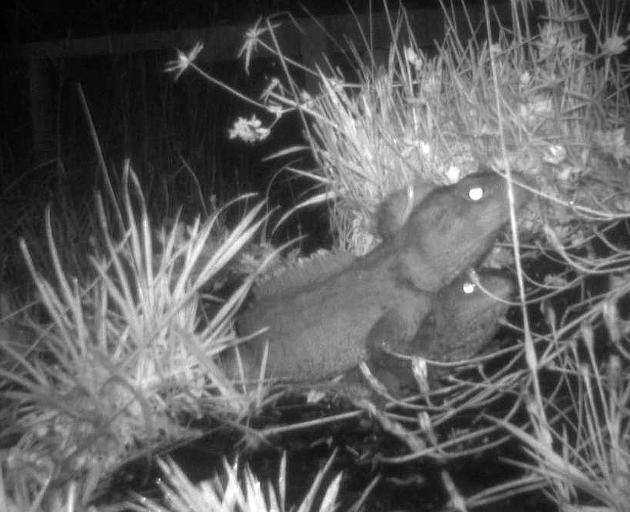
<point>468,287</point>
<point>475,193</point>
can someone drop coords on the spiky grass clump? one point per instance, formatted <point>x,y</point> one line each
<point>124,363</point>
<point>233,491</point>
<point>580,448</point>
<point>230,490</point>
<point>548,102</point>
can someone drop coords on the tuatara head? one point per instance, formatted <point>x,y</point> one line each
<point>454,227</point>
<point>465,316</point>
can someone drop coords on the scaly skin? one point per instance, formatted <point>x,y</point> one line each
<point>463,320</point>
<point>398,205</point>
<point>378,301</point>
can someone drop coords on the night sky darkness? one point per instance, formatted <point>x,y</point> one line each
<point>126,93</point>
<point>23,21</point>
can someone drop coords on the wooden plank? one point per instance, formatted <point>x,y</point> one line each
<point>224,41</point>
<point>221,42</point>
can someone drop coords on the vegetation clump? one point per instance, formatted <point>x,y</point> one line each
<point>119,359</point>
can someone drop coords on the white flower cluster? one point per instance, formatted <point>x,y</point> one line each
<point>250,130</point>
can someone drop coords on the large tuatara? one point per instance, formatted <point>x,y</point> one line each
<point>323,326</point>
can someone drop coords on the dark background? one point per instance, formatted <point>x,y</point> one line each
<point>174,132</point>
<point>35,21</point>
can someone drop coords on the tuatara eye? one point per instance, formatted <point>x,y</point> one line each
<point>468,288</point>
<point>475,193</point>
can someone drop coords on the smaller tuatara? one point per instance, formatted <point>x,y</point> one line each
<point>462,322</point>
<point>322,326</point>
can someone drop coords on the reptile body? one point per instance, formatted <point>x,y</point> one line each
<point>462,322</point>
<point>326,325</point>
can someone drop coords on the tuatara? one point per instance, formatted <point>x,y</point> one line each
<point>463,320</point>
<point>323,326</point>
<point>463,317</point>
